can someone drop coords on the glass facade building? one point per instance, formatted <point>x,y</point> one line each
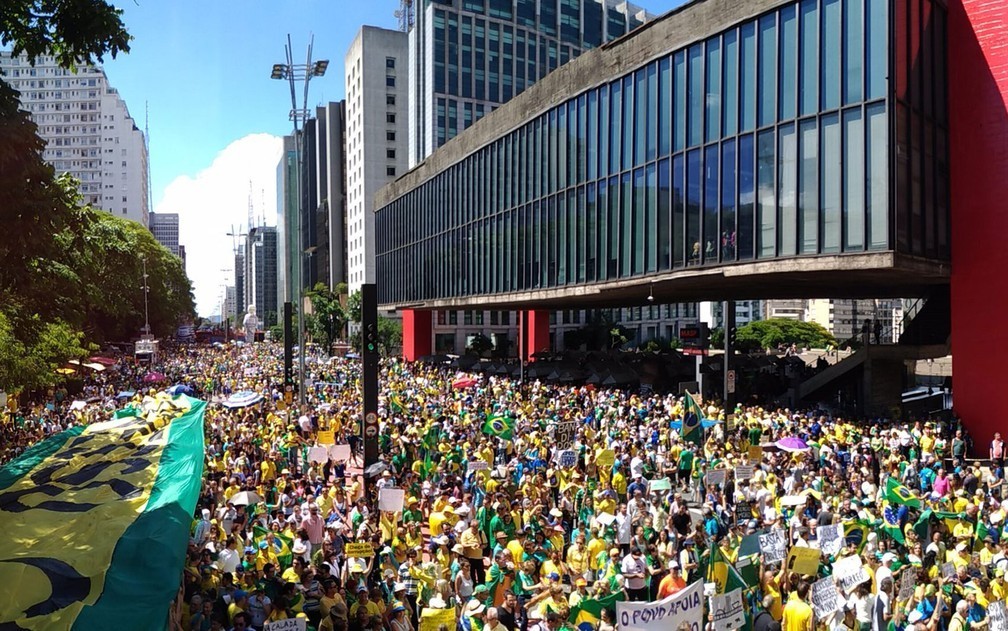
<point>469,56</point>
<point>818,127</point>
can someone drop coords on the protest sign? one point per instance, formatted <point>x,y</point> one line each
<point>948,570</point>
<point>391,500</point>
<point>825,597</point>
<point>661,484</point>
<point>477,465</point>
<point>606,458</point>
<point>339,453</point>
<point>605,518</point>
<point>567,458</point>
<point>563,435</point>
<point>755,453</point>
<point>358,549</point>
<point>998,616</point>
<point>433,619</point>
<point>831,538</point>
<point>803,560</point>
<point>773,546</point>
<point>744,472</point>
<point>750,545</point>
<point>318,454</point>
<point>290,624</point>
<point>685,606</point>
<point>849,573</point>
<point>908,583</point>
<point>743,511</point>
<point>730,422</point>
<point>326,438</point>
<point>716,477</point>
<point>728,611</point>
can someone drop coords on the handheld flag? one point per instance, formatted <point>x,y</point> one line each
<point>500,426</point>
<point>856,532</point>
<point>281,545</point>
<point>891,524</point>
<point>396,404</point>
<point>691,428</point>
<point>722,573</point>
<point>899,494</point>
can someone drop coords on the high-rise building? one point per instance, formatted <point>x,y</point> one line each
<point>239,267</point>
<point>261,273</point>
<point>329,163</point>
<point>165,228</point>
<point>846,318</point>
<point>469,56</point>
<point>88,130</point>
<point>376,117</point>
<point>231,303</point>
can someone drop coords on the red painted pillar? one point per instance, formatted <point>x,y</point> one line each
<point>536,332</point>
<point>978,147</point>
<point>416,333</point>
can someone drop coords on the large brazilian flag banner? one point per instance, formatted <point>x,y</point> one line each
<point>94,521</point>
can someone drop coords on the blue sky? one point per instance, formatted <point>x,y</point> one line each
<point>202,69</point>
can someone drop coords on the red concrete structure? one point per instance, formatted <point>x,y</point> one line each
<point>417,333</point>
<point>977,94</point>
<point>533,328</point>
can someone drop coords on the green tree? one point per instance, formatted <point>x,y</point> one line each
<point>480,344</point>
<point>73,31</point>
<point>328,319</point>
<point>353,308</point>
<point>782,331</point>
<point>389,335</point>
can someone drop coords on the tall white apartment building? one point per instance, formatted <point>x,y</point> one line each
<point>88,130</point>
<point>376,134</point>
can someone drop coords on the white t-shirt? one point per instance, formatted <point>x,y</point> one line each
<point>257,609</point>
<point>633,565</point>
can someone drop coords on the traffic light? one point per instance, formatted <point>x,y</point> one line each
<point>732,331</point>
<point>371,337</point>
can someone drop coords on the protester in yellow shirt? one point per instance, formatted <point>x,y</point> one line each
<point>797,614</point>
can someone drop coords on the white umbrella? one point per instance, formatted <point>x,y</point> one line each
<point>245,498</point>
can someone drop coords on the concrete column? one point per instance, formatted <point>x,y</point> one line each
<point>417,332</point>
<point>536,332</point>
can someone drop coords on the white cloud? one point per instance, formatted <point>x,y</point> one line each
<point>213,202</point>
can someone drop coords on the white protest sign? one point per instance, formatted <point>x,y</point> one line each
<point>661,484</point>
<point>728,611</point>
<point>948,570</point>
<point>605,518</point>
<point>339,453</point>
<point>318,454</point>
<point>477,465</point>
<point>744,472</point>
<point>908,583</point>
<point>831,538</point>
<point>716,477</point>
<point>685,606</point>
<point>290,624</point>
<point>850,572</point>
<point>567,458</point>
<point>773,546</point>
<point>998,616</point>
<point>825,597</point>
<point>391,500</point>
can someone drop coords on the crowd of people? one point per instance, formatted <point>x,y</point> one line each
<point>538,507</point>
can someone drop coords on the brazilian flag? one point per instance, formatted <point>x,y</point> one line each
<point>692,430</point>
<point>499,425</point>
<point>396,404</point>
<point>891,524</point>
<point>588,612</point>
<point>97,519</point>
<point>899,494</point>
<point>281,545</point>
<point>722,573</point>
<point>856,532</point>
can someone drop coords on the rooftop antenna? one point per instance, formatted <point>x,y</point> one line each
<point>262,204</point>
<point>405,15</point>
<point>251,211</point>
<point>150,191</point>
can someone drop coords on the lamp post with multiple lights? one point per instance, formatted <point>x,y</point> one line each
<point>295,73</point>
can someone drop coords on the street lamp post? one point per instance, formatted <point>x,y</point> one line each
<point>146,289</point>
<point>294,73</point>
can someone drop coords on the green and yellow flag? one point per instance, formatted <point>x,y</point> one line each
<point>899,494</point>
<point>856,532</point>
<point>281,545</point>
<point>692,430</point>
<point>96,520</point>
<point>499,425</point>
<point>722,573</point>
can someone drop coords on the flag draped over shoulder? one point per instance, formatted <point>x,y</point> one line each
<point>499,425</point>
<point>281,545</point>
<point>589,610</point>
<point>107,508</point>
<point>897,493</point>
<point>692,431</point>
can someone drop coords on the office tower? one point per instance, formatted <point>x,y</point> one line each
<point>165,228</point>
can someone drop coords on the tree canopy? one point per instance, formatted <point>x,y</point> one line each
<point>782,331</point>
<point>73,31</point>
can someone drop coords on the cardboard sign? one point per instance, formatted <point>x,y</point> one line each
<point>716,477</point>
<point>831,538</point>
<point>605,518</point>
<point>948,570</point>
<point>998,616</point>
<point>750,545</point>
<point>803,560</point>
<point>567,458</point>
<point>849,573</point>
<point>290,624</point>
<point>755,453</point>
<point>318,454</point>
<point>606,458</point>
<point>326,438</point>
<point>358,549</point>
<point>685,606</point>
<point>773,545</point>
<point>744,472</point>
<point>728,611</point>
<point>563,435</point>
<point>477,465</point>
<point>825,597</point>
<point>391,500</point>
<point>730,422</point>
<point>433,619</point>
<point>743,511</point>
<point>339,453</point>
<point>661,484</point>
<point>908,583</point>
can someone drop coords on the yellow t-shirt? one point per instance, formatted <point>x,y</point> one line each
<point>797,615</point>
